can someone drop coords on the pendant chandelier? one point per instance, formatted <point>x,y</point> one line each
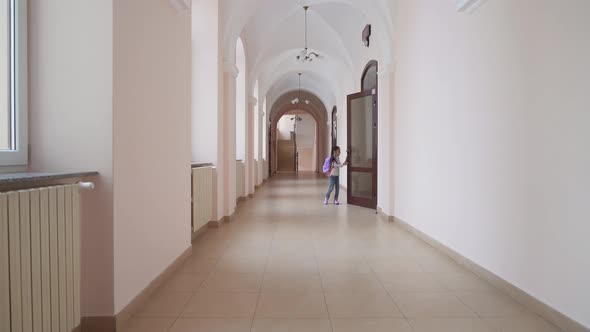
<point>306,56</point>
<point>298,99</point>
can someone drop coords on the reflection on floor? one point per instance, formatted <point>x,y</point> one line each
<point>287,263</point>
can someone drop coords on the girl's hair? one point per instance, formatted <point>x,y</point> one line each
<point>333,157</point>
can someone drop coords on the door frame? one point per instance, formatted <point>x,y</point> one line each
<point>359,201</point>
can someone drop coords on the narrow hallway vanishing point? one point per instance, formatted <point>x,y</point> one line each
<point>288,263</point>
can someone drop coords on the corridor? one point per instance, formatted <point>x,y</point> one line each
<point>286,263</point>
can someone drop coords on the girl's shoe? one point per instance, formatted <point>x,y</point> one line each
<point>325,201</point>
<point>336,202</point>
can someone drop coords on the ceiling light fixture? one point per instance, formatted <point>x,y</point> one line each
<point>298,99</point>
<point>305,55</point>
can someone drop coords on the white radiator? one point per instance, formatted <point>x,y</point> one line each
<point>40,259</point>
<point>202,197</point>
<point>240,179</point>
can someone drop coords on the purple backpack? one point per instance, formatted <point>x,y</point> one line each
<point>327,166</point>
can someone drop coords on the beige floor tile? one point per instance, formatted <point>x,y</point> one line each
<point>411,283</point>
<point>291,305</point>
<point>465,282</point>
<point>165,304</point>
<point>184,282</point>
<point>287,266</point>
<point>216,305</point>
<point>148,325</point>
<point>246,252</point>
<point>450,325</point>
<point>369,305</point>
<point>211,325</point>
<point>525,323</point>
<point>291,325</point>
<point>491,304</point>
<point>345,283</point>
<point>371,325</point>
<point>241,265</point>
<point>431,305</point>
<point>388,253</point>
<point>402,265</point>
<point>440,264</point>
<point>328,267</point>
<point>233,282</point>
<point>198,265</point>
<point>294,282</point>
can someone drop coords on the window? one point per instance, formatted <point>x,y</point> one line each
<point>334,127</point>
<point>369,78</point>
<point>13,83</point>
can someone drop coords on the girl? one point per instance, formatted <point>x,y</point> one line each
<point>335,166</point>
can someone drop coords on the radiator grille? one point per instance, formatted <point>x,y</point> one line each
<point>202,197</point>
<point>40,259</point>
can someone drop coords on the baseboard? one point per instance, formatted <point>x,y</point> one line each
<point>139,301</point>
<point>217,223</point>
<point>198,233</point>
<point>540,308</point>
<point>98,324</point>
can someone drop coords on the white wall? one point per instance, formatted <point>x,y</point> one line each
<point>284,127</point>
<point>4,74</point>
<point>306,131</point>
<point>491,139</point>
<point>152,135</point>
<point>70,106</point>
<point>205,87</point>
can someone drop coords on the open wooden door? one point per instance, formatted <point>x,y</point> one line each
<point>362,149</point>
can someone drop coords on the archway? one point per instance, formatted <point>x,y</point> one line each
<point>315,108</point>
<point>297,142</point>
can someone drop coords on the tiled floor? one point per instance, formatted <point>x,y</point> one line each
<point>286,263</point>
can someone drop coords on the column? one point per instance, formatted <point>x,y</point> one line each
<point>385,137</point>
<point>250,169</point>
<point>226,156</point>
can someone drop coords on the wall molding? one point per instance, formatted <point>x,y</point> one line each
<point>180,4</point>
<point>532,303</point>
<point>231,68</point>
<point>253,101</point>
<point>468,6</point>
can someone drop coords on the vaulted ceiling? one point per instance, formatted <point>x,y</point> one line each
<point>273,34</point>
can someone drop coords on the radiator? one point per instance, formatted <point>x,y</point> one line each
<point>240,179</point>
<point>40,259</point>
<point>202,197</point>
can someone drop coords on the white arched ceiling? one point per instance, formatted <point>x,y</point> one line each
<point>273,34</point>
<point>309,82</point>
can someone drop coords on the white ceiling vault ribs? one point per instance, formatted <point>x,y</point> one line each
<point>273,34</point>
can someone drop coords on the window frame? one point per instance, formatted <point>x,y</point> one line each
<point>19,156</point>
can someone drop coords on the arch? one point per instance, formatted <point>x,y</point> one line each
<point>241,13</point>
<point>369,77</point>
<point>315,108</point>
